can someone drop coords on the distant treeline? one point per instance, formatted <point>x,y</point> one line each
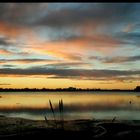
<point>63,89</point>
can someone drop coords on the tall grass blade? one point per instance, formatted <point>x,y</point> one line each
<point>46,120</point>
<point>52,111</point>
<point>113,119</point>
<point>62,109</point>
<point>61,112</point>
<point>62,118</point>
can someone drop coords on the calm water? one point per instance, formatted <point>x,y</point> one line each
<point>77,105</point>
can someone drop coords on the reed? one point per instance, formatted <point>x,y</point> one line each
<point>46,120</point>
<point>113,119</point>
<point>53,112</point>
<point>61,109</point>
<point>61,112</point>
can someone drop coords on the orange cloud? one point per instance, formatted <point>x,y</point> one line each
<point>74,48</point>
<point>8,30</point>
<point>5,52</point>
<point>28,61</point>
<point>13,31</point>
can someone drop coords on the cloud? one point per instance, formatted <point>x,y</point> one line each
<point>69,34</point>
<point>7,66</point>
<point>8,30</point>
<point>92,74</point>
<point>61,54</point>
<point>59,50</point>
<point>60,15</point>
<point>47,62</point>
<point>65,16</point>
<point>129,28</point>
<point>67,65</point>
<point>100,40</point>
<point>130,37</point>
<point>122,59</point>
<point>18,20</point>
<point>118,59</point>
<point>5,52</point>
<point>4,41</point>
<point>75,47</point>
<point>24,60</point>
<point>21,14</point>
<point>4,84</point>
<point>99,13</point>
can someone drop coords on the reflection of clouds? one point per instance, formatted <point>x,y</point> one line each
<point>74,107</point>
<point>38,103</point>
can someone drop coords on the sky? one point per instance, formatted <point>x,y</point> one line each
<point>59,45</point>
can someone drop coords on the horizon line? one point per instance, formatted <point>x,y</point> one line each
<point>68,89</point>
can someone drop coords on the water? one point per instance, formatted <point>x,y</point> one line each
<point>77,105</point>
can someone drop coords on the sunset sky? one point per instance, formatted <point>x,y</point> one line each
<point>56,45</point>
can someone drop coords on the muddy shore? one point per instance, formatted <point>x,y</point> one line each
<point>74,129</point>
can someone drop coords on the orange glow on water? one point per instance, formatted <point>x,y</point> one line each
<point>40,100</point>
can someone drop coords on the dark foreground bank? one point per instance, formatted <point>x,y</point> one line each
<point>78,129</point>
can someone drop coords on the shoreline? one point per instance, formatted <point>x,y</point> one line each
<point>11,127</point>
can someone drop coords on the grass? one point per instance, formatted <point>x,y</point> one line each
<point>46,120</point>
<point>61,110</point>
<point>61,113</point>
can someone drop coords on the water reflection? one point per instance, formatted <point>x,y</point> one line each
<point>76,105</point>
